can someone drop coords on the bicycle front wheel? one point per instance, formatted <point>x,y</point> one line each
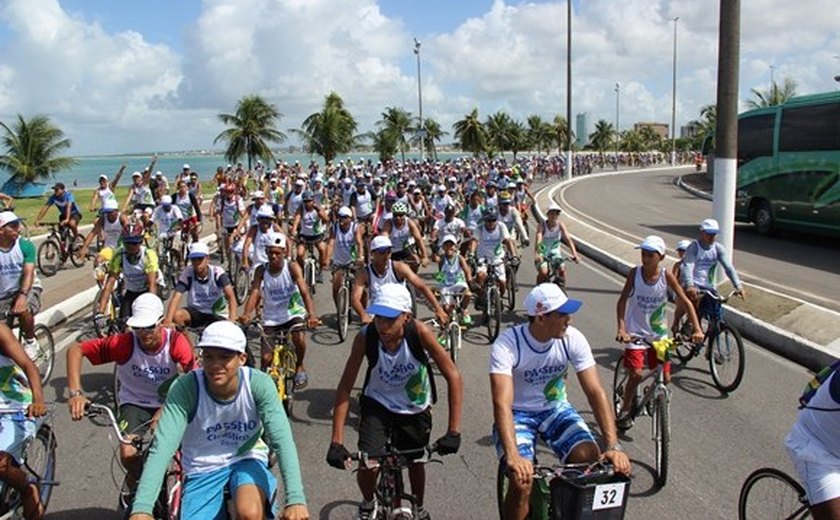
<point>726,358</point>
<point>684,349</point>
<point>75,249</point>
<point>454,332</point>
<point>309,275</point>
<point>49,257</point>
<point>494,313</point>
<point>342,312</point>
<point>288,361</point>
<point>45,360</point>
<point>502,483</point>
<point>661,437</point>
<point>39,465</point>
<point>620,377</point>
<point>511,290</point>
<point>769,494</point>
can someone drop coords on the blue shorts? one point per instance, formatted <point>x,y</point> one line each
<point>204,494</point>
<point>562,428</point>
<point>14,432</point>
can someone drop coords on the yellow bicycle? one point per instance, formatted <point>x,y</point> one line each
<point>283,361</point>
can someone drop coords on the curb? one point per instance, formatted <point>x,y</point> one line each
<point>786,344</point>
<point>692,190</point>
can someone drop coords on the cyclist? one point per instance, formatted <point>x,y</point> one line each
<point>139,267</point>
<point>700,265</point>
<point>211,293</point>
<point>510,217</point>
<point>149,357</point>
<point>382,270</point>
<point>364,206</point>
<point>308,228</point>
<point>257,237</point>
<point>230,210</point>
<point>471,214</point>
<point>344,247</point>
<point>640,313</point>
<point>218,416</point>
<point>548,254</point>
<point>105,190</point>
<point>813,446</point>
<point>167,217</point>
<point>20,287</point>
<point>188,203</point>
<point>68,212</point>
<point>405,234</point>
<point>455,277</point>
<point>397,394</point>
<point>528,368</point>
<point>491,240</point>
<point>279,284</point>
<point>22,389</point>
<point>294,199</point>
<point>139,195</point>
<point>448,225</point>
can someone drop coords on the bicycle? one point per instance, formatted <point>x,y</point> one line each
<point>511,268</point>
<point>771,493</point>
<point>111,323</point>
<point>556,273</point>
<point>654,400</point>
<point>452,331</point>
<point>168,503</point>
<point>59,246</point>
<point>283,365</point>
<point>45,359</point>
<point>171,263</point>
<point>582,490</point>
<point>342,303</point>
<point>724,346</point>
<point>392,500</point>
<point>492,302</point>
<point>38,463</point>
<point>310,265</point>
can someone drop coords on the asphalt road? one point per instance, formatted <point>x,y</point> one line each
<point>638,204</point>
<point>716,441</point>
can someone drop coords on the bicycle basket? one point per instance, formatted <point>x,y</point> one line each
<point>663,348</point>
<point>602,497</point>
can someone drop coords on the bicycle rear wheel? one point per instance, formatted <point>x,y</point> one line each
<point>511,289</point>
<point>620,377</point>
<point>241,281</point>
<point>726,358</point>
<point>309,275</point>
<point>454,332</point>
<point>661,438</point>
<point>288,362</point>
<point>49,257</point>
<point>772,494</point>
<point>75,249</point>
<point>45,360</point>
<point>342,312</point>
<point>493,312</point>
<point>683,349</point>
<point>110,313</point>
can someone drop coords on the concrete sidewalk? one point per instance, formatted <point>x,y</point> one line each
<point>803,332</point>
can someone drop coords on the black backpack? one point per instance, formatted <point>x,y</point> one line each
<point>413,341</point>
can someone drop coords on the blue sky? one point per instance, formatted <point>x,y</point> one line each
<point>133,76</point>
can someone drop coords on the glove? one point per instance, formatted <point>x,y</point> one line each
<point>337,456</point>
<point>449,443</point>
<point>101,321</point>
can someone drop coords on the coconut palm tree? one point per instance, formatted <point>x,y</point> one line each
<point>33,148</point>
<point>650,140</point>
<point>433,133</point>
<point>331,131</point>
<point>774,95</point>
<point>397,121</point>
<point>603,138</point>
<point>538,133</point>
<point>384,143</point>
<point>470,133</point>
<point>560,133</point>
<point>499,128</point>
<point>517,138</point>
<point>252,127</point>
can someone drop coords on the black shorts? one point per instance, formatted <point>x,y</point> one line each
<point>135,419</point>
<point>127,299</point>
<point>305,239</point>
<point>230,230</point>
<point>406,432</point>
<point>270,333</point>
<point>200,320</point>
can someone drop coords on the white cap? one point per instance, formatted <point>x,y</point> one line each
<point>392,300</point>
<point>136,174</point>
<point>300,182</point>
<point>158,173</point>
<point>710,226</point>
<point>198,250</point>
<point>553,206</point>
<point>449,238</point>
<point>549,297</point>
<point>223,334</point>
<point>441,187</point>
<point>185,166</point>
<point>652,243</point>
<point>417,190</point>
<point>109,205</point>
<point>103,177</point>
<point>682,245</point>
<point>348,181</point>
<point>275,239</point>
<point>265,212</point>
<point>344,211</point>
<point>258,195</point>
<point>146,311</point>
<point>166,199</point>
<point>7,217</point>
<point>381,242</point>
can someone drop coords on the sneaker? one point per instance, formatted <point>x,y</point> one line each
<point>624,422</point>
<point>367,510</point>
<point>30,346</point>
<point>466,320</point>
<point>319,277</point>
<point>422,514</point>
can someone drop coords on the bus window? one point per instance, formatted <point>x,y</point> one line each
<point>810,128</point>
<point>755,137</point>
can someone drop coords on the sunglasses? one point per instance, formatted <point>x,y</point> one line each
<point>145,330</point>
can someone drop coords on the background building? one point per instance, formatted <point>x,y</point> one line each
<point>582,130</point>
<point>691,130</point>
<point>661,129</point>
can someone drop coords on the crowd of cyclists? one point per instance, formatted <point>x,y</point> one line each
<point>380,223</point>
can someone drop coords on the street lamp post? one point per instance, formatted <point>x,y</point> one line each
<point>569,164</point>
<point>421,130</point>
<point>674,101</point>
<point>617,92</point>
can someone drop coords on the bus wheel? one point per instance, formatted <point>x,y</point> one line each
<point>762,217</point>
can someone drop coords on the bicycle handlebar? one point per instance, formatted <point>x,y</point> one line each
<point>718,297</point>
<point>367,460</point>
<point>576,470</point>
<point>93,410</point>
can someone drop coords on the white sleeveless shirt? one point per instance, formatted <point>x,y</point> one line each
<point>375,282</point>
<point>281,297</point>
<point>143,373</point>
<point>112,231</point>
<point>645,312</point>
<point>344,251</point>
<point>399,381</point>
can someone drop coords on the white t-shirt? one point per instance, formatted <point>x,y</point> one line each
<point>539,370</point>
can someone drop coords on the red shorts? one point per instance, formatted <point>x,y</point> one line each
<point>190,223</point>
<point>634,358</point>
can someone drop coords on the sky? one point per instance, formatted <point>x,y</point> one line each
<point>133,77</point>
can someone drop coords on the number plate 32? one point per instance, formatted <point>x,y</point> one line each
<point>608,496</point>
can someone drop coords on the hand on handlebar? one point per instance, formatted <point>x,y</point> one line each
<point>338,456</point>
<point>741,293</point>
<point>449,443</point>
<point>623,337</point>
<point>78,405</point>
<point>520,469</point>
<point>36,409</point>
<point>442,317</point>
<point>312,322</point>
<point>619,460</point>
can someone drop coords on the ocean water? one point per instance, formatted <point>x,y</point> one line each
<point>87,172</point>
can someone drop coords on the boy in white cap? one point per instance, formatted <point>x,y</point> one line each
<point>219,416</point>
<point>105,190</point>
<point>700,264</point>
<point>344,247</point>
<point>20,287</point>
<point>190,208</point>
<point>149,357</point>
<point>548,253</point>
<point>640,313</point>
<point>455,277</point>
<point>529,364</point>
<point>397,394</point>
<point>108,225</point>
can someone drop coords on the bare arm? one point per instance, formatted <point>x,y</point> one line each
<point>569,242</point>
<point>449,371</point>
<point>621,306</point>
<point>359,285</point>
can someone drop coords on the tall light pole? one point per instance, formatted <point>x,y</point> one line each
<point>674,101</point>
<point>772,75</point>
<point>569,171</point>
<point>617,92</point>
<point>421,131</point>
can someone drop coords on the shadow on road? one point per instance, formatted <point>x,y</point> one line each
<point>89,513</point>
<point>684,379</point>
<point>338,509</point>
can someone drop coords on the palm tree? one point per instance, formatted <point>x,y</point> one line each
<point>774,95</point>
<point>603,138</point>
<point>384,143</point>
<point>433,133</point>
<point>33,148</point>
<point>470,133</point>
<point>632,141</point>
<point>560,133</point>
<point>252,127</point>
<point>499,128</point>
<point>517,137</point>
<point>650,140</point>
<point>539,132</point>
<point>331,131</point>
<point>397,122</point>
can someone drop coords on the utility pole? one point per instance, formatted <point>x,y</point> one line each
<point>726,131</point>
<point>674,101</point>
<point>421,130</point>
<point>617,93</point>
<point>568,89</point>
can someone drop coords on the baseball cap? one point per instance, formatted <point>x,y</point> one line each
<point>198,250</point>
<point>158,173</point>
<point>108,206</point>
<point>58,185</point>
<point>710,226</point>
<point>136,174</point>
<point>449,238</point>
<point>103,177</point>
<point>275,239</point>
<point>223,334</point>
<point>166,200</point>
<point>548,297</point>
<point>381,242</point>
<point>265,212</point>
<point>8,217</point>
<point>682,245</point>
<point>185,167</point>
<point>392,300</point>
<point>652,243</point>
<point>344,211</point>
<point>300,182</point>
<point>258,195</point>
<point>146,311</point>
<point>553,206</point>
